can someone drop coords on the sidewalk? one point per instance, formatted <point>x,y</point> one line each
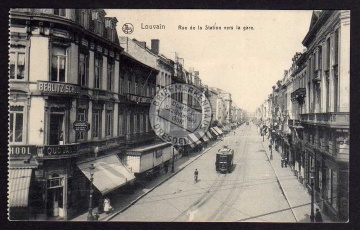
<point>296,194</point>
<point>121,202</point>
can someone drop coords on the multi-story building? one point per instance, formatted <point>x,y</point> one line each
<point>326,118</point>
<point>313,98</point>
<point>64,110</point>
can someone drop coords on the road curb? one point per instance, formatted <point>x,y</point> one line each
<point>279,182</point>
<point>157,185</point>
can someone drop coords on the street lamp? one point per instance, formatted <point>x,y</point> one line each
<point>173,160</point>
<point>312,216</point>
<point>90,216</point>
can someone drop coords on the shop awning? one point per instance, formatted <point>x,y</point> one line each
<point>218,130</point>
<point>202,135</point>
<point>209,134</point>
<point>19,184</point>
<point>214,131</point>
<point>109,173</point>
<point>147,148</point>
<point>194,138</point>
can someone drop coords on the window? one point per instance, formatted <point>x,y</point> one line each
<point>84,19</point>
<point>98,73</point>
<point>96,123</point>
<point>146,123</point>
<point>121,124</point>
<point>328,51</point>
<point>331,187</point>
<point>122,85</point>
<point>108,123</point>
<point>141,123</point>
<point>148,90</point>
<point>16,123</point>
<point>136,88</point>
<point>336,47</point>
<point>83,69</point>
<point>17,65</point>
<point>128,127</point>
<point>58,63</point>
<point>320,59</point>
<point>110,72</point>
<point>81,116</point>
<point>129,85</point>
<point>135,124</point>
<point>60,12</point>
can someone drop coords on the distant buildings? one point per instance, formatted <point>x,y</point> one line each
<point>308,112</point>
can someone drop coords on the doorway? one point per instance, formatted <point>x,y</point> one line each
<point>55,202</point>
<point>56,128</point>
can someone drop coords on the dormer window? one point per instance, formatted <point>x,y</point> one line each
<point>60,12</point>
<point>98,22</point>
<point>84,19</point>
<point>110,24</point>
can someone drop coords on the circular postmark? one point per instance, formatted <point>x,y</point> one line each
<point>128,28</point>
<point>180,114</point>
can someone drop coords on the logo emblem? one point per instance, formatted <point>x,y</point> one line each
<point>128,28</point>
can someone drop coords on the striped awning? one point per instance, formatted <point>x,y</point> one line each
<point>214,131</point>
<point>218,130</point>
<point>19,184</point>
<point>194,138</point>
<point>109,173</point>
<point>209,134</point>
<point>202,135</point>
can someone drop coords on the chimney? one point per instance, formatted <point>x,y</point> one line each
<point>142,44</point>
<point>155,46</point>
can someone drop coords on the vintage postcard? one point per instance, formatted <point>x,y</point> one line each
<point>179,115</point>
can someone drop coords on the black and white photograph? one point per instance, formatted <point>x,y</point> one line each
<point>178,115</point>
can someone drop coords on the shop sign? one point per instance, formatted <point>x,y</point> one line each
<point>81,126</point>
<point>139,99</point>
<point>22,150</point>
<point>58,88</point>
<point>50,150</point>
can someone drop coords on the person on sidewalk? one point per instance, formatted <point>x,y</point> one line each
<point>286,162</point>
<point>282,162</point>
<point>107,205</point>
<point>318,217</point>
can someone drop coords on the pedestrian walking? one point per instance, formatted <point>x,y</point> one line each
<point>282,162</point>
<point>286,162</point>
<point>107,205</point>
<point>270,147</point>
<point>318,217</point>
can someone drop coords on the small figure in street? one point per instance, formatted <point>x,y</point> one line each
<point>286,162</point>
<point>166,168</point>
<point>318,217</point>
<point>234,133</point>
<point>196,174</point>
<point>282,162</point>
<point>107,205</point>
<point>96,216</point>
<point>270,147</point>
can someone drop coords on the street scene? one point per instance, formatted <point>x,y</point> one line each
<point>179,115</point>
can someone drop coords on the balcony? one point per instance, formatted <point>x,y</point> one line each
<point>139,137</point>
<point>299,95</point>
<point>332,120</point>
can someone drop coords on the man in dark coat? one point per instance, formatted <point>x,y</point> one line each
<point>318,217</point>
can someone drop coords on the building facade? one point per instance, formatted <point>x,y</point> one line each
<point>310,112</point>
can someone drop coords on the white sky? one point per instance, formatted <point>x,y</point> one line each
<point>245,63</point>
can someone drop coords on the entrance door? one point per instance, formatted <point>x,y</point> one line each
<point>55,201</point>
<point>56,129</point>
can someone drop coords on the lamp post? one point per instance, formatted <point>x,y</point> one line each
<point>90,216</point>
<point>312,216</point>
<point>173,160</point>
